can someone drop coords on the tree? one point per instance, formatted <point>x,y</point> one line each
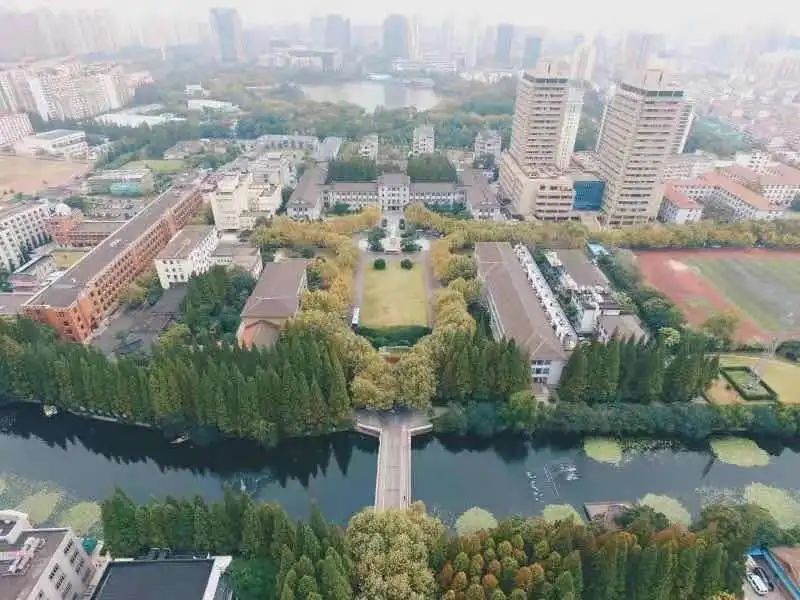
<point>721,327</point>
<point>379,264</point>
<point>406,264</point>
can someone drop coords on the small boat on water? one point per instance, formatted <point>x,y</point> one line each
<point>49,410</point>
<point>180,439</point>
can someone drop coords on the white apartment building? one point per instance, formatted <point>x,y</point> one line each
<point>686,166</point>
<point>229,199</point>
<point>488,142</point>
<point>424,140</point>
<point>22,227</point>
<point>546,115</point>
<point>678,208</point>
<point>569,127</point>
<point>756,160</point>
<point>637,136</point>
<point>274,168</point>
<point>13,127</point>
<point>742,203</point>
<point>60,143</point>
<point>778,183</point>
<point>41,563</point>
<point>188,253</point>
<point>368,149</point>
<point>394,190</point>
<point>684,127</point>
<point>203,104</point>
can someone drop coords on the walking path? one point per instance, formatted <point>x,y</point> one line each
<point>394,431</point>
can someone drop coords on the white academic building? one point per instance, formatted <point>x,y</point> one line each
<point>188,253</point>
<point>22,227</point>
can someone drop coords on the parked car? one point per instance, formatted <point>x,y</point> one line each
<point>763,574</point>
<point>758,585</point>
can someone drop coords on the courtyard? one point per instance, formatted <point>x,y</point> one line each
<point>27,174</point>
<point>394,296</point>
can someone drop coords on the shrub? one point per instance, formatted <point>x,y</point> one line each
<point>406,263</point>
<point>379,264</point>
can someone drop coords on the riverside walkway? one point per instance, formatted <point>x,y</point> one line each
<point>394,431</point>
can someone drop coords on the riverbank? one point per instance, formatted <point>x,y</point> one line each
<point>83,460</point>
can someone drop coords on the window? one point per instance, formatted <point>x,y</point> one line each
<point>53,572</point>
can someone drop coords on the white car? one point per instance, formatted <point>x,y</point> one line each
<point>758,584</point>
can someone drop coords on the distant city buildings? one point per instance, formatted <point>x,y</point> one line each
<point>532,52</point>
<point>423,140</point>
<point>226,29</point>
<point>503,42</point>
<point>637,136</point>
<point>13,127</point>
<point>337,32</point>
<point>396,37</point>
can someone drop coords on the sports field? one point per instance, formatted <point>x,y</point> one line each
<point>395,296</point>
<point>27,174</point>
<point>158,166</point>
<point>761,286</point>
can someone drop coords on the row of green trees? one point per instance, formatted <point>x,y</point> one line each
<point>431,168</point>
<point>408,554</point>
<point>643,371</point>
<point>214,301</point>
<point>309,560</point>
<point>353,169</point>
<point>296,387</point>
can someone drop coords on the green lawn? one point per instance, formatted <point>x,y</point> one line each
<point>780,375</point>
<point>167,167</point>
<point>763,289</point>
<point>394,297</point>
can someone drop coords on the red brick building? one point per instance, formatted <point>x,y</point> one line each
<point>78,302</point>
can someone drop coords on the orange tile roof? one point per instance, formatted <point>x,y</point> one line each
<point>752,198</point>
<point>678,198</point>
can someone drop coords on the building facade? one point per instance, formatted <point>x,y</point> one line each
<point>546,115</point>
<point>226,30</point>
<point>424,140</point>
<point>737,202</point>
<point>13,127</point>
<point>678,208</point>
<point>60,143</point>
<point>121,182</point>
<point>187,254</point>
<point>41,563</point>
<point>22,228</point>
<point>637,135</point>
<point>488,142</point>
<point>76,304</point>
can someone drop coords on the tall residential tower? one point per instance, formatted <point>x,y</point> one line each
<point>226,27</point>
<point>641,122</point>
<point>546,115</point>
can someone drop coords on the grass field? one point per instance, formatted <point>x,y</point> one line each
<point>27,174</point>
<point>66,258</point>
<point>761,286</point>
<point>158,166</point>
<point>780,375</point>
<point>394,297</point>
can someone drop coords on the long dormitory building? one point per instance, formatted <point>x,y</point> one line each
<point>77,303</point>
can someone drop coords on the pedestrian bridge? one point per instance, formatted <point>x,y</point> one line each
<point>394,432</point>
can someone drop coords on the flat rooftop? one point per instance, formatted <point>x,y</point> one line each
<point>55,134</point>
<point>65,290</point>
<point>581,269</point>
<point>521,316</point>
<point>108,227</point>
<point>19,208</point>
<point>229,249</point>
<point>19,586</point>
<point>176,579</point>
<point>277,293</point>
<point>186,240</point>
<point>11,304</point>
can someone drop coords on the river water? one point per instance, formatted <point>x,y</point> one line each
<point>369,95</point>
<point>85,460</point>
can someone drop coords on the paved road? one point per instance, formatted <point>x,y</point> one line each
<point>393,478</point>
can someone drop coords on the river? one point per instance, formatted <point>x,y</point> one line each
<point>84,460</point>
<point>369,95</point>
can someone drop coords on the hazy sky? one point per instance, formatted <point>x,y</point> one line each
<point>689,16</point>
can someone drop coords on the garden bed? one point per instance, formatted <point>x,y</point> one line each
<point>741,379</point>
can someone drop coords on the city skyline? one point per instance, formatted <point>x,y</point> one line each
<point>684,17</point>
